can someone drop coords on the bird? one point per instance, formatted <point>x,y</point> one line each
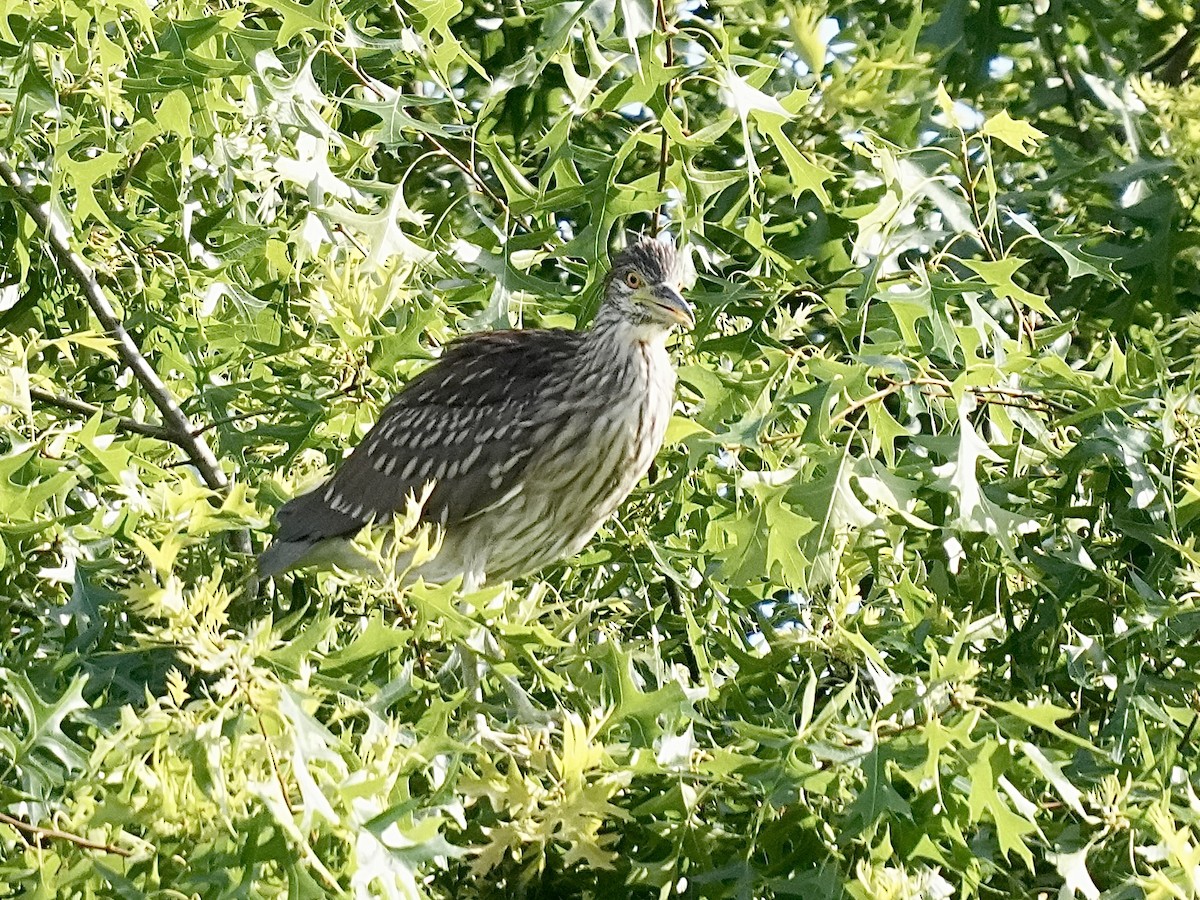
<point>526,440</point>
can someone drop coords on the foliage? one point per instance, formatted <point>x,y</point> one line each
<point>908,607</point>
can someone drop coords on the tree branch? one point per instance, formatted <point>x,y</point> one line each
<point>1173,66</point>
<point>127,425</point>
<point>54,834</point>
<point>176,427</point>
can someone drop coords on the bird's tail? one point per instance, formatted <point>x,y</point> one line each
<point>281,556</point>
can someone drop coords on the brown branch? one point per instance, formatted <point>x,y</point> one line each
<point>1023,395</point>
<point>176,426</point>
<point>344,232</point>
<point>1015,393</point>
<point>175,422</point>
<point>147,429</point>
<point>129,426</point>
<point>239,417</point>
<point>262,729</point>
<point>841,415</point>
<point>864,402</point>
<point>54,834</point>
<point>1074,104</point>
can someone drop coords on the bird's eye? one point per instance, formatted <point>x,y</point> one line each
<point>634,280</point>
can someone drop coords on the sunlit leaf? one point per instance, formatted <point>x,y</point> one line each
<point>1018,134</point>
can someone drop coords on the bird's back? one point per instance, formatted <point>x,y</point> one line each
<point>459,424</point>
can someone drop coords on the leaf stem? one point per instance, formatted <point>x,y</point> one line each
<point>664,154</point>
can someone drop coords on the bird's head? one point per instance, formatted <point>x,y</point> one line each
<point>642,288</point>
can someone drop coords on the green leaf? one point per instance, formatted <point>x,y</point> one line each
<point>43,754</point>
<point>639,709</point>
<point>397,126</point>
<point>1044,716</point>
<point>300,18</point>
<point>806,175</point>
<point>680,429</point>
<point>82,176</point>
<point>998,275</point>
<point>877,798</point>
<point>1070,249</point>
<point>1018,134</point>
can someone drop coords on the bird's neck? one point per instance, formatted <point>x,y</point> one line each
<point>618,334</point>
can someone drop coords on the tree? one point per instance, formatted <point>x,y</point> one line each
<point>907,607</point>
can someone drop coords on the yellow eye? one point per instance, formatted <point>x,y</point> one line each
<point>634,280</point>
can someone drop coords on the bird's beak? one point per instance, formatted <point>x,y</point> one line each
<point>674,308</point>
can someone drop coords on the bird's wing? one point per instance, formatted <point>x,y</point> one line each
<point>464,424</point>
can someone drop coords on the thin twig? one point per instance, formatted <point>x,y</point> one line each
<point>999,396</point>
<point>229,420</point>
<point>984,389</point>
<point>1023,395</point>
<point>1074,104</point>
<point>664,156</point>
<point>321,399</point>
<point>127,425</point>
<point>344,232</point>
<point>864,402</point>
<point>689,652</point>
<point>56,835</point>
<point>1173,65</point>
<point>442,149</point>
<point>147,429</point>
<point>1187,732</point>
<point>328,878</point>
<point>262,729</point>
<point>841,415</point>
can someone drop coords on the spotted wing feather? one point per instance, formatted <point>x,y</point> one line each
<point>465,424</point>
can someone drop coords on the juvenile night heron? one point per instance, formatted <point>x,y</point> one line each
<point>531,438</point>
